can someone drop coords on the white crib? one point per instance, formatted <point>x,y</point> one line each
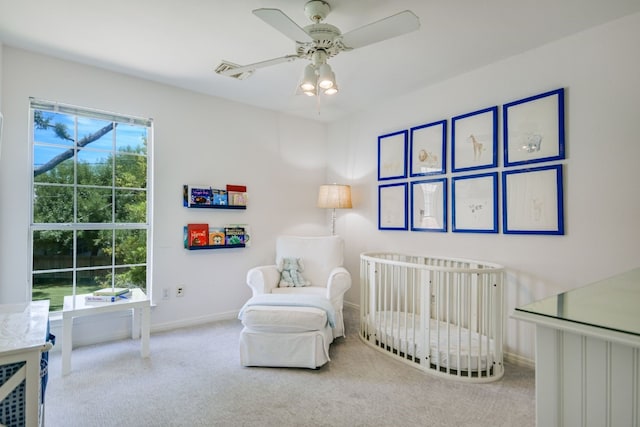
<point>441,315</point>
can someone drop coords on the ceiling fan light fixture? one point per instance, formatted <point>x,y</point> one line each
<point>309,79</point>
<point>326,77</point>
<point>332,90</point>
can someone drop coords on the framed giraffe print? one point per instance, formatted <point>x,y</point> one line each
<point>474,140</point>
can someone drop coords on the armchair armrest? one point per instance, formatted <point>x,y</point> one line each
<point>263,279</point>
<point>338,283</point>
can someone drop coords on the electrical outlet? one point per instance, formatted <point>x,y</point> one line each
<point>180,291</point>
<point>165,293</point>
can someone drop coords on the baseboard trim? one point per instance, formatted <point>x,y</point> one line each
<point>194,321</point>
<point>351,305</point>
<point>516,359</point>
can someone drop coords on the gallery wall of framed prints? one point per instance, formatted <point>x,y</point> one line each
<point>477,194</point>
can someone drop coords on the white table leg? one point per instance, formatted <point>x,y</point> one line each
<point>135,323</point>
<point>32,384</point>
<point>145,326</point>
<point>67,336</point>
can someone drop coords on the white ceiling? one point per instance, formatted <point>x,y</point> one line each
<point>181,42</point>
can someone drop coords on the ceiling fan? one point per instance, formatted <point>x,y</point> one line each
<point>319,41</point>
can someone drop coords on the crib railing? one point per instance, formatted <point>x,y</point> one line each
<point>442,315</point>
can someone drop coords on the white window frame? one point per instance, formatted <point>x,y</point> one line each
<point>37,104</point>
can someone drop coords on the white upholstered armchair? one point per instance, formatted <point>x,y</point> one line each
<point>322,257</point>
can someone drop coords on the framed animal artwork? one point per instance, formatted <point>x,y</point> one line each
<point>392,155</point>
<point>392,206</point>
<point>475,203</point>
<point>534,129</point>
<point>428,149</point>
<point>429,205</point>
<point>532,201</point>
<point>474,140</point>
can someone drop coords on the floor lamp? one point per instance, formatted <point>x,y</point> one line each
<point>334,196</point>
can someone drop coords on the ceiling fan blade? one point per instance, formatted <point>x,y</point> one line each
<point>391,26</point>
<point>230,69</point>
<point>281,22</point>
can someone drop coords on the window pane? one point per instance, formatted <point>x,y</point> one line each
<point>52,249</point>
<point>131,206</point>
<point>53,128</point>
<point>92,280</point>
<point>52,286</point>
<point>89,172</point>
<point>132,277</point>
<point>52,204</point>
<point>96,133</point>
<point>131,171</point>
<point>53,164</point>
<point>95,168</point>
<point>131,247</point>
<point>94,205</point>
<point>94,248</point>
<point>132,139</point>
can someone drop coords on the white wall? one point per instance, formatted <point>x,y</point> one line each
<point>599,69</point>
<point>198,139</point>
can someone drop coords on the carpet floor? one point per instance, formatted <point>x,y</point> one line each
<point>194,378</point>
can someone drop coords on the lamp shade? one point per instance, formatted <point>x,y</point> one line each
<point>336,196</point>
<point>309,79</point>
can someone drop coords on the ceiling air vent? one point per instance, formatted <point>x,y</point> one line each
<point>225,66</point>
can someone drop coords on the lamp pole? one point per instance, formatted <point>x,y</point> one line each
<point>333,222</point>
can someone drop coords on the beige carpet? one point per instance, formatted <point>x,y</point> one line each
<point>194,378</point>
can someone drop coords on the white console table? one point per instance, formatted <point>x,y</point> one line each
<point>76,307</point>
<point>588,354</point>
<point>23,337</point>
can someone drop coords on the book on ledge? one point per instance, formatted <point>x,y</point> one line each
<point>111,292</point>
<point>197,235</point>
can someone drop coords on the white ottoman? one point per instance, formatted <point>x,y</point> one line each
<point>285,336</point>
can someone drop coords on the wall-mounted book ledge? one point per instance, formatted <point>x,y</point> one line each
<point>205,196</point>
<point>217,207</point>
<point>195,248</point>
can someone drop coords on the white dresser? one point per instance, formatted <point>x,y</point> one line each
<point>588,354</point>
<point>23,337</point>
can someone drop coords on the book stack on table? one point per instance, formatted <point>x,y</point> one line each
<point>108,295</point>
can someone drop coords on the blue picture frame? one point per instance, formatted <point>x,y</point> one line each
<point>474,140</point>
<point>428,154</point>
<point>429,205</point>
<point>533,129</point>
<point>392,155</point>
<point>532,201</point>
<point>392,206</point>
<point>475,203</point>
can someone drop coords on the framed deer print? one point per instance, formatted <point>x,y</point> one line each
<point>532,201</point>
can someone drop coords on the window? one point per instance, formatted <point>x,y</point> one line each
<point>91,201</point>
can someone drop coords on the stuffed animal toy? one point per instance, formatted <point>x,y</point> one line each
<point>290,273</point>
